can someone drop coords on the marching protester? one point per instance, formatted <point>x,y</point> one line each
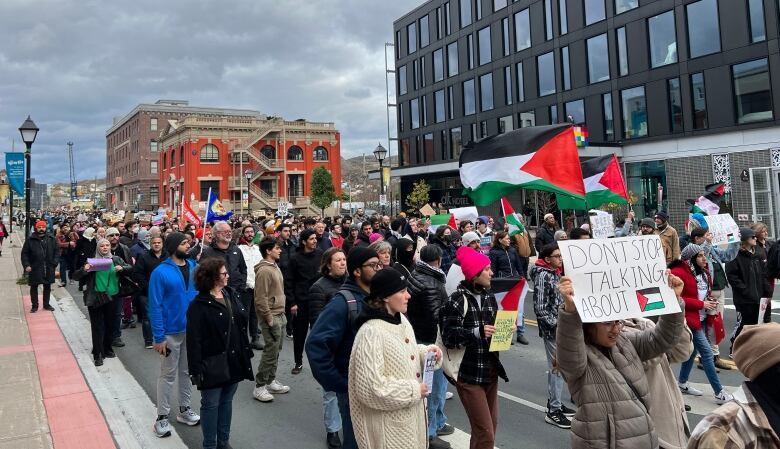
<point>385,370</point>
<point>336,239</point>
<point>218,352</point>
<point>252,257</point>
<point>545,234</point>
<point>223,247</point>
<point>403,255</point>
<point>670,241</point>
<point>647,226</point>
<point>504,260</point>
<point>39,260</point>
<point>304,266</point>
<point>443,239</point>
<point>142,272</point>
<point>763,246</point>
<point>352,237</point>
<point>127,287</point>
<point>287,243</point>
<point>141,246</point>
<point>65,249</point>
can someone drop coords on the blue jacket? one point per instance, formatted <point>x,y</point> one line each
<point>329,345</point>
<point>169,300</point>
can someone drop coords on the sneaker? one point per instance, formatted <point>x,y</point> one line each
<point>148,345</point>
<point>276,387</point>
<point>438,443</point>
<point>189,417</point>
<point>567,412</point>
<point>333,441</point>
<point>297,369</point>
<point>558,419</point>
<point>289,335</point>
<point>98,361</point>
<point>262,394</point>
<point>448,395</point>
<point>447,429</point>
<point>723,397</point>
<point>62,284</point>
<point>48,307</point>
<point>522,340</point>
<point>162,427</point>
<point>118,343</point>
<point>686,388</point>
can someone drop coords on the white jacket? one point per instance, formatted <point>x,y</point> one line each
<point>252,257</point>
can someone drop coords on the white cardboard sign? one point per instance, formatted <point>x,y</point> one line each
<point>618,278</point>
<point>601,224</point>
<point>723,227</point>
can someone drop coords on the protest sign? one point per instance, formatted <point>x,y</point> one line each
<point>465,213</point>
<point>601,224</point>
<point>724,229</point>
<point>99,264</point>
<point>618,278</point>
<point>428,368</point>
<point>454,278</point>
<point>427,211</point>
<point>763,305</point>
<point>502,337</point>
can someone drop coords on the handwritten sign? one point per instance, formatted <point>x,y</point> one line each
<point>502,337</point>
<point>724,229</point>
<point>428,369</point>
<point>618,278</point>
<point>601,224</point>
<point>427,211</point>
<point>281,208</point>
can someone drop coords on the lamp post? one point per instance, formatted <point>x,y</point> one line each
<point>248,174</point>
<point>380,153</point>
<point>29,132</point>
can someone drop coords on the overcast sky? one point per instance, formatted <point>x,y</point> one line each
<point>73,65</point>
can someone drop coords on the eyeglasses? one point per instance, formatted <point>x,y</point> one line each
<point>555,256</point>
<point>224,274</point>
<point>376,266</point>
<point>112,235</point>
<point>612,324</point>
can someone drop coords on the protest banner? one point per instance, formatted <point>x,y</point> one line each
<point>723,228</point>
<point>618,278</point>
<point>502,337</point>
<point>601,224</point>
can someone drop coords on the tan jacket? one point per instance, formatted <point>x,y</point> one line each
<point>524,246</point>
<point>611,391</point>
<point>670,242</point>
<point>269,290</point>
<point>665,402</point>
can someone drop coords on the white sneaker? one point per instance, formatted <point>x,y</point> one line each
<point>449,395</point>
<point>276,387</point>
<point>262,394</point>
<point>723,397</point>
<point>188,417</point>
<point>686,388</point>
<point>162,428</point>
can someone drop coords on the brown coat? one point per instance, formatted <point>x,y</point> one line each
<point>524,246</point>
<point>269,290</point>
<point>670,241</point>
<point>611,391</point>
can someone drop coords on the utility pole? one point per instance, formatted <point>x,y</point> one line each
<point>73,192</point>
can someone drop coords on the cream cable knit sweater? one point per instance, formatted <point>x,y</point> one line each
<point>385,372</point>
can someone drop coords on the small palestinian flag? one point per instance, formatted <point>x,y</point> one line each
<point>650,299</point>
<point>538,157</point>
<point>257,238</point>
<point>603,184</point>
<point>512,219</point>
<point>510,292</point>
<point>442,219</point>
<point>581,136</point>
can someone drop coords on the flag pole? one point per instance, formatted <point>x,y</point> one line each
<point>205,221</point>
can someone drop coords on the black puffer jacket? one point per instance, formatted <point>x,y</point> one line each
<point>321,292</point>
<point>545,234</point>
<point>305,267</point>
<point>747,277</point>
<point>85,249</point>
<point>234,261</point>
<point>40,254</point>
<point>426,286</point>
<point>505,263</point>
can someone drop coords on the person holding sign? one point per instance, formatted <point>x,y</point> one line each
<point>603,368</point>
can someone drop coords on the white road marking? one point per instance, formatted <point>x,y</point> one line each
<point>775,305</point>
<point>522,401</point>
<point>459,439</point>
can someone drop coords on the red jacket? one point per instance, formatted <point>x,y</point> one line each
<point>690,293</point>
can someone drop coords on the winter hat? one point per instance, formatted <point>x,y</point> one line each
<point>112,231</point>
<point>484,218</point>
<point>173,241</point>
<point>690,251</point>
<point>89,233</point>
<point>698,218</point>
<point>662,215</point>
<point>548,215</point>
<point>757,349</point>
<point>385,283</point>
<point>397,225</point>
<point>358,255</point>
<point>647,222</point>
<point>469,237</point>
<point>374,237</point>
<point>471,262</point>
<point>41,224</point>
<point>144,238</point>
<point>745,234</point>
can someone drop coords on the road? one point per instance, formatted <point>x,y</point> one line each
<point>295,421</point>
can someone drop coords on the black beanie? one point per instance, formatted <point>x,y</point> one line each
<point>173,241</point>
<point>358,255</point>
<point>385,283</point>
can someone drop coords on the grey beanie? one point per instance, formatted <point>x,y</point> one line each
<point>647,222</point>
<point>173,241</point>
<point>690,251</point>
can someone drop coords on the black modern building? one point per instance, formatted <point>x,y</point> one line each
<point>683,91</point>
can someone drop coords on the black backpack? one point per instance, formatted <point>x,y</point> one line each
<point>352,310</point>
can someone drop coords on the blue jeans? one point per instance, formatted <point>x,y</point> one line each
<point>702,346</point>
<point>63,269</point>
<point>520,323</point>
<point>216,411</point>
<point>330,408</point>
<point>436,400</point>
<point>348,435</point>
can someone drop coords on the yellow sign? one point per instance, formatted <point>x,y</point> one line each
<point>502,337</point>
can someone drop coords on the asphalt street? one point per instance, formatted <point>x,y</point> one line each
<point>294,420</point>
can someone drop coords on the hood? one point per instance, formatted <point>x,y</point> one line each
<point>263,263</point>
<point>539,267</point>
<point>428,270</point>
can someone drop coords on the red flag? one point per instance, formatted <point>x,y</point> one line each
<point>188,214</point>
<point>452,223</point>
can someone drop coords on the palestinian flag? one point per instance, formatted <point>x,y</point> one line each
<point>509,292</point>
<point>442,219</point>
<point>709,203</point>
<point>512,219</point>
<point>650,299</point>
<point>538,157</point>
<point>603,184</point>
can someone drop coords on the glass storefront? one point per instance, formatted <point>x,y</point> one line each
<point>643,179</point>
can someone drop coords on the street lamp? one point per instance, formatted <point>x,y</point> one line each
<point>380,153</point>
<point>248,174</point>
<point>29,132</point>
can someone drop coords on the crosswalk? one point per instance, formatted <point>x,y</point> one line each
<point>775,305</point>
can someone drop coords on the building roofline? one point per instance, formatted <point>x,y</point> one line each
<point>412,12</point>
<point>146,107</point>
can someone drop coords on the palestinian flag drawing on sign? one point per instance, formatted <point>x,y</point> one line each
<point>512,219</point>
<point>650,299</point>
<point>537,157</point>
<point>603,184</point>
<point>510,292</point>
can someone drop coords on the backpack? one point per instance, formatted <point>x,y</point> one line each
<point>352,310</point>
<point>773,261</point>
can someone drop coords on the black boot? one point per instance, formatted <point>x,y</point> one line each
<point>333,440</point>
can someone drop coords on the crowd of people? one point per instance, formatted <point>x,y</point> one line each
<point>365,299</point>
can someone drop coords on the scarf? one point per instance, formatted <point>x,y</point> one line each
<point>543,264</point>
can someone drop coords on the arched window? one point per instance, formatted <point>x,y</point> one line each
<point>320,154</point>
<point>181,156</point>
<point>269,152</point>
<point>295,153</point>
<point>173,158</point>
<point>209,153</point>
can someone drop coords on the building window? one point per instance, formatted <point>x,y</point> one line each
<point>520,83</point>
<point>483,129</point>
<point>699,101</point>
<point>486,92</point>
<point>575,112</point>
<point>424,110</point>
<point>545,65</point>
<point>153,124</point>
<point>622,51</point>
<point>508,97</point>
<point>522,30</point>
<point>452,59</point>
<point>269,152</point>
<point>295,153</point>
<point>465,13</point>
<point>634,112</point>
<point>154,195</point>
<point>405,153</point>
<point>398,44</point>
<point>469,99</point>
<point>505,36</point>
<point>451,102</point>
<point>400,116</point>
<point>553,110</point>
<point>411,38</point>
<point>609,120</point>
<point>414,109</point>
<point>527,119</point>
<point>757,28</point>
<point>499,4</point>
<point>675,105</point>
<point>438,106</point>
<point>598,59</point>
<point>320,154</point>
<point>663,39</point>
<point>209,153</point>
<point>548,20</point>
<point>439,24</point>
<point>752,91</point>
<point>164,161</point>
<point>478,4</point>
<point>425,34</point>
<point>470,49</point>
<point>402,80</point>
<point>505,124</point>
<point>483,39</point>
<point>563,17</point>
<point>447,26</point>
<point>438,65</point>
<point>622,6</point>
<point>294,187</point>
<point>456,143</point>
<point>703,28</point>
<point>422,71</point>
<point>565,68</point>
<point>152,167</point>
<point>427,148</point>
<point>153,146</point>
<point>594,11</point>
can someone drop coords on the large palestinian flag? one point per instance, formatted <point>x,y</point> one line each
<point>537,157</point>
<point>603,184</point>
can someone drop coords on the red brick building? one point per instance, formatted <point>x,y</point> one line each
<point>202,153</point>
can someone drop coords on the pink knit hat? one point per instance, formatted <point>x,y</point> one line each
<point>471,262</point>
<point>374,237</point>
